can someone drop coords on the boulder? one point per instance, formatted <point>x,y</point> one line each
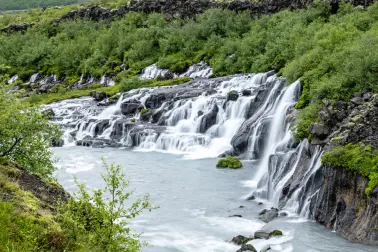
<point>98,96</point>
<point>232,95</point>
<point>240,239</point>
<point>252,197</point>
<point>262,234</point>
<point>319,130</point>
<point>146,115</point>
<point>357,100</point>
<point>101,126</point>
<point>209,119</point>
<point>58,143</point>
<point>156,115</point>
<point>246,92</point>
<point>268,215</point>
<point>129,108</point>
<point>247,248</point>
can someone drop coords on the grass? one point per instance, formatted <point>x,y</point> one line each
<point>229,162</point>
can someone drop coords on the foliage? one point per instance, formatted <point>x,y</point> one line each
<point>357,158</point>
<point>143,111</point>
<point>102,216</point>
<point>6,5</point>
<point>25,135</point>
<point>134,82</point>
<point>229,162</point>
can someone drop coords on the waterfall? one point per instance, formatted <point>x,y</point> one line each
<point>249,115</point>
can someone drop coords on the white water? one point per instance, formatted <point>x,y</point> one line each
<point>176,186</point>
<point>13,79</point>
<point>152,72</point>
<point>200,70</point>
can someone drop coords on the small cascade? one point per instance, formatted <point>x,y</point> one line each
<point>201,70</point>
<point>153,72</point>
<point>13,79</point>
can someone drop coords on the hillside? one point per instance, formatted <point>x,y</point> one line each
<point>9,5</point>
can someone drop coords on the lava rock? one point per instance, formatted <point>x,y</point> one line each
<point>319,130</point>
<point>209,119</point>
<point>246,92</point>
<point>236,215</point>
<point>98,96</point>
<point>252,197</point>
<point>129,108</point>
<point>247,248</point>
<point>240,239</point>
<point>268,215</point>
<point>262,234</point>
<point>58,143</point>
<point>232,96</point>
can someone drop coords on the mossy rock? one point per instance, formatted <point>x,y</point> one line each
<point>229,162</point>
<point>275,233</point>
<point>133,120</point>
<point>143,111</point>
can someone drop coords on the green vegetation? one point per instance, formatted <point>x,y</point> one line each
<point>357,158</point>
<point>6,5</point>
<point>25,135</point>
<point>275,233</point>
<point>128,84</point>
<point>229,162</point>
<point>333,54</point>
<point>143,111</point>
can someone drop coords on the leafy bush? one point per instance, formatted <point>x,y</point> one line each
<point>357,158</point>
<point>25,135</point>
<point>229,162</point>
<point>102,220</point>
<point>131,83</point>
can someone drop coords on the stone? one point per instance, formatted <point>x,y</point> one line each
<point>209,119</point>
<point>252,197</point>
<point>236,215</point>
<point>232,95</point>
<point>262,234</point>
<point>240,239</point>
<point>268,215</point>
<point>319,130</point>
<point>129,108</point>
<point>98,96</point>
<point>357,101</point>
<point>247,248</point>
<point>246,92</point>
<point>58,143</point>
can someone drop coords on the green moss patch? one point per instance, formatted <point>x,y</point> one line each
<point>229,162</point>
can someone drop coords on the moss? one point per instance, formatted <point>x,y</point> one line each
<point>276,233</point>
<point>357,158</point>
<point>143,111</point>
<point>229,162</point>
<point>356,117</point>
<point>133,120</point>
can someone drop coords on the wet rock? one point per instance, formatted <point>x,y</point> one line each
<point>357,100</point>
<point>260,203</point>
<point>265,249</point>
<point>236,215</point>
<point>232,96</point>
<point>262,234</point>
<point>247,248</point>
<point>98,144</point>
<point>58,143</point>
<point>209,119</point>
<point>268,215</point>
<point>87,141</point>
<point>128,108</point>
<point>98,96</point>
<point>101,126</point>
<point>246,92</point>
<point>157,115</point>
<point>147,115</point>
<point>200,113</point>
<point>252,197</point>
<point>240,239</point>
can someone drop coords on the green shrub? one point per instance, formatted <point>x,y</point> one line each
<point>276,233</point>
<point>357,158</point>
<point>131,83</point>
<point>229,162</point>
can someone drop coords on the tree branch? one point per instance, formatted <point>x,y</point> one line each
<point>12,147</point>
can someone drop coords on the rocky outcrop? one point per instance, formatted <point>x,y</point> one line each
<point>16,28</point>
<point>267,215</point>
<point>342,205</point>
<point>209,119</point>
<point>348,122</point>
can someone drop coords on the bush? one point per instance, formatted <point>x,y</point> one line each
<point>131,83</point>
<point>102,221</point>
<point>357,158</point>
<point>229,162</point>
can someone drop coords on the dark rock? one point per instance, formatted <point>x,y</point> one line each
<point>209,119</point>
<point>247,247</point>
<point>98,96</point>
<point>101,126</point>
<point>268,215</point>
<point>147,115</point>
<point>241,206</point>
<point>98,144</point>
<point>260,203</point>
<point>357,100</point>
<point>319,130</point>
<point>129,108</point>
<point>283,214</point>
<point>58,143</point>
<point>236,215</point>
<point>49,113</point>
<point>240,239</point>
<point>16,28</point>
<point>157,115</point>
<point>200,113</point>
<point>232,96</point>
<point>246,92</point>
<point>252,197</point>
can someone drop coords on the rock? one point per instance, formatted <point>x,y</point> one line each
<point>200,113</point>
<point>246,92</point>
<point>265,249</point>
<point>232,95</point>
<point>129,108</point>
<point>252,197</point>
<point>275,233</point>
<point>98,96</point>
<point>101,126</point>
<point>16,28</point>
<point>357,101</point>
<point>262,234</point>
<point>260,203</point>
<point>209,119</point>
<point>268,215</point>
<point>319,130</point>
<point>247,247</point>
<point>283,214</point>
<point>236,215</point>
<point>241,206</point>
<point>58,143</point>
<point>157,115</point>
<point>49,113</point>
<point>240,239</point>
<point>147,115</point>
<point>98,144</point>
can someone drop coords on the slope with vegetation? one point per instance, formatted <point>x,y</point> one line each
<point>6,5</point>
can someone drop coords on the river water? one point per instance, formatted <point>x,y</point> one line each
<point>196,200</point>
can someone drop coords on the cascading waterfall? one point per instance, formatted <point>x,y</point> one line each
<point>249,114</point>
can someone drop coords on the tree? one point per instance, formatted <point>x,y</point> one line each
<point>26,135</point>
<point>103,215</point>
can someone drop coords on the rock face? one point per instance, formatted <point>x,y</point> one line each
<point>268,215</point>
<point>343,205</point>
<point>209,119</point>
